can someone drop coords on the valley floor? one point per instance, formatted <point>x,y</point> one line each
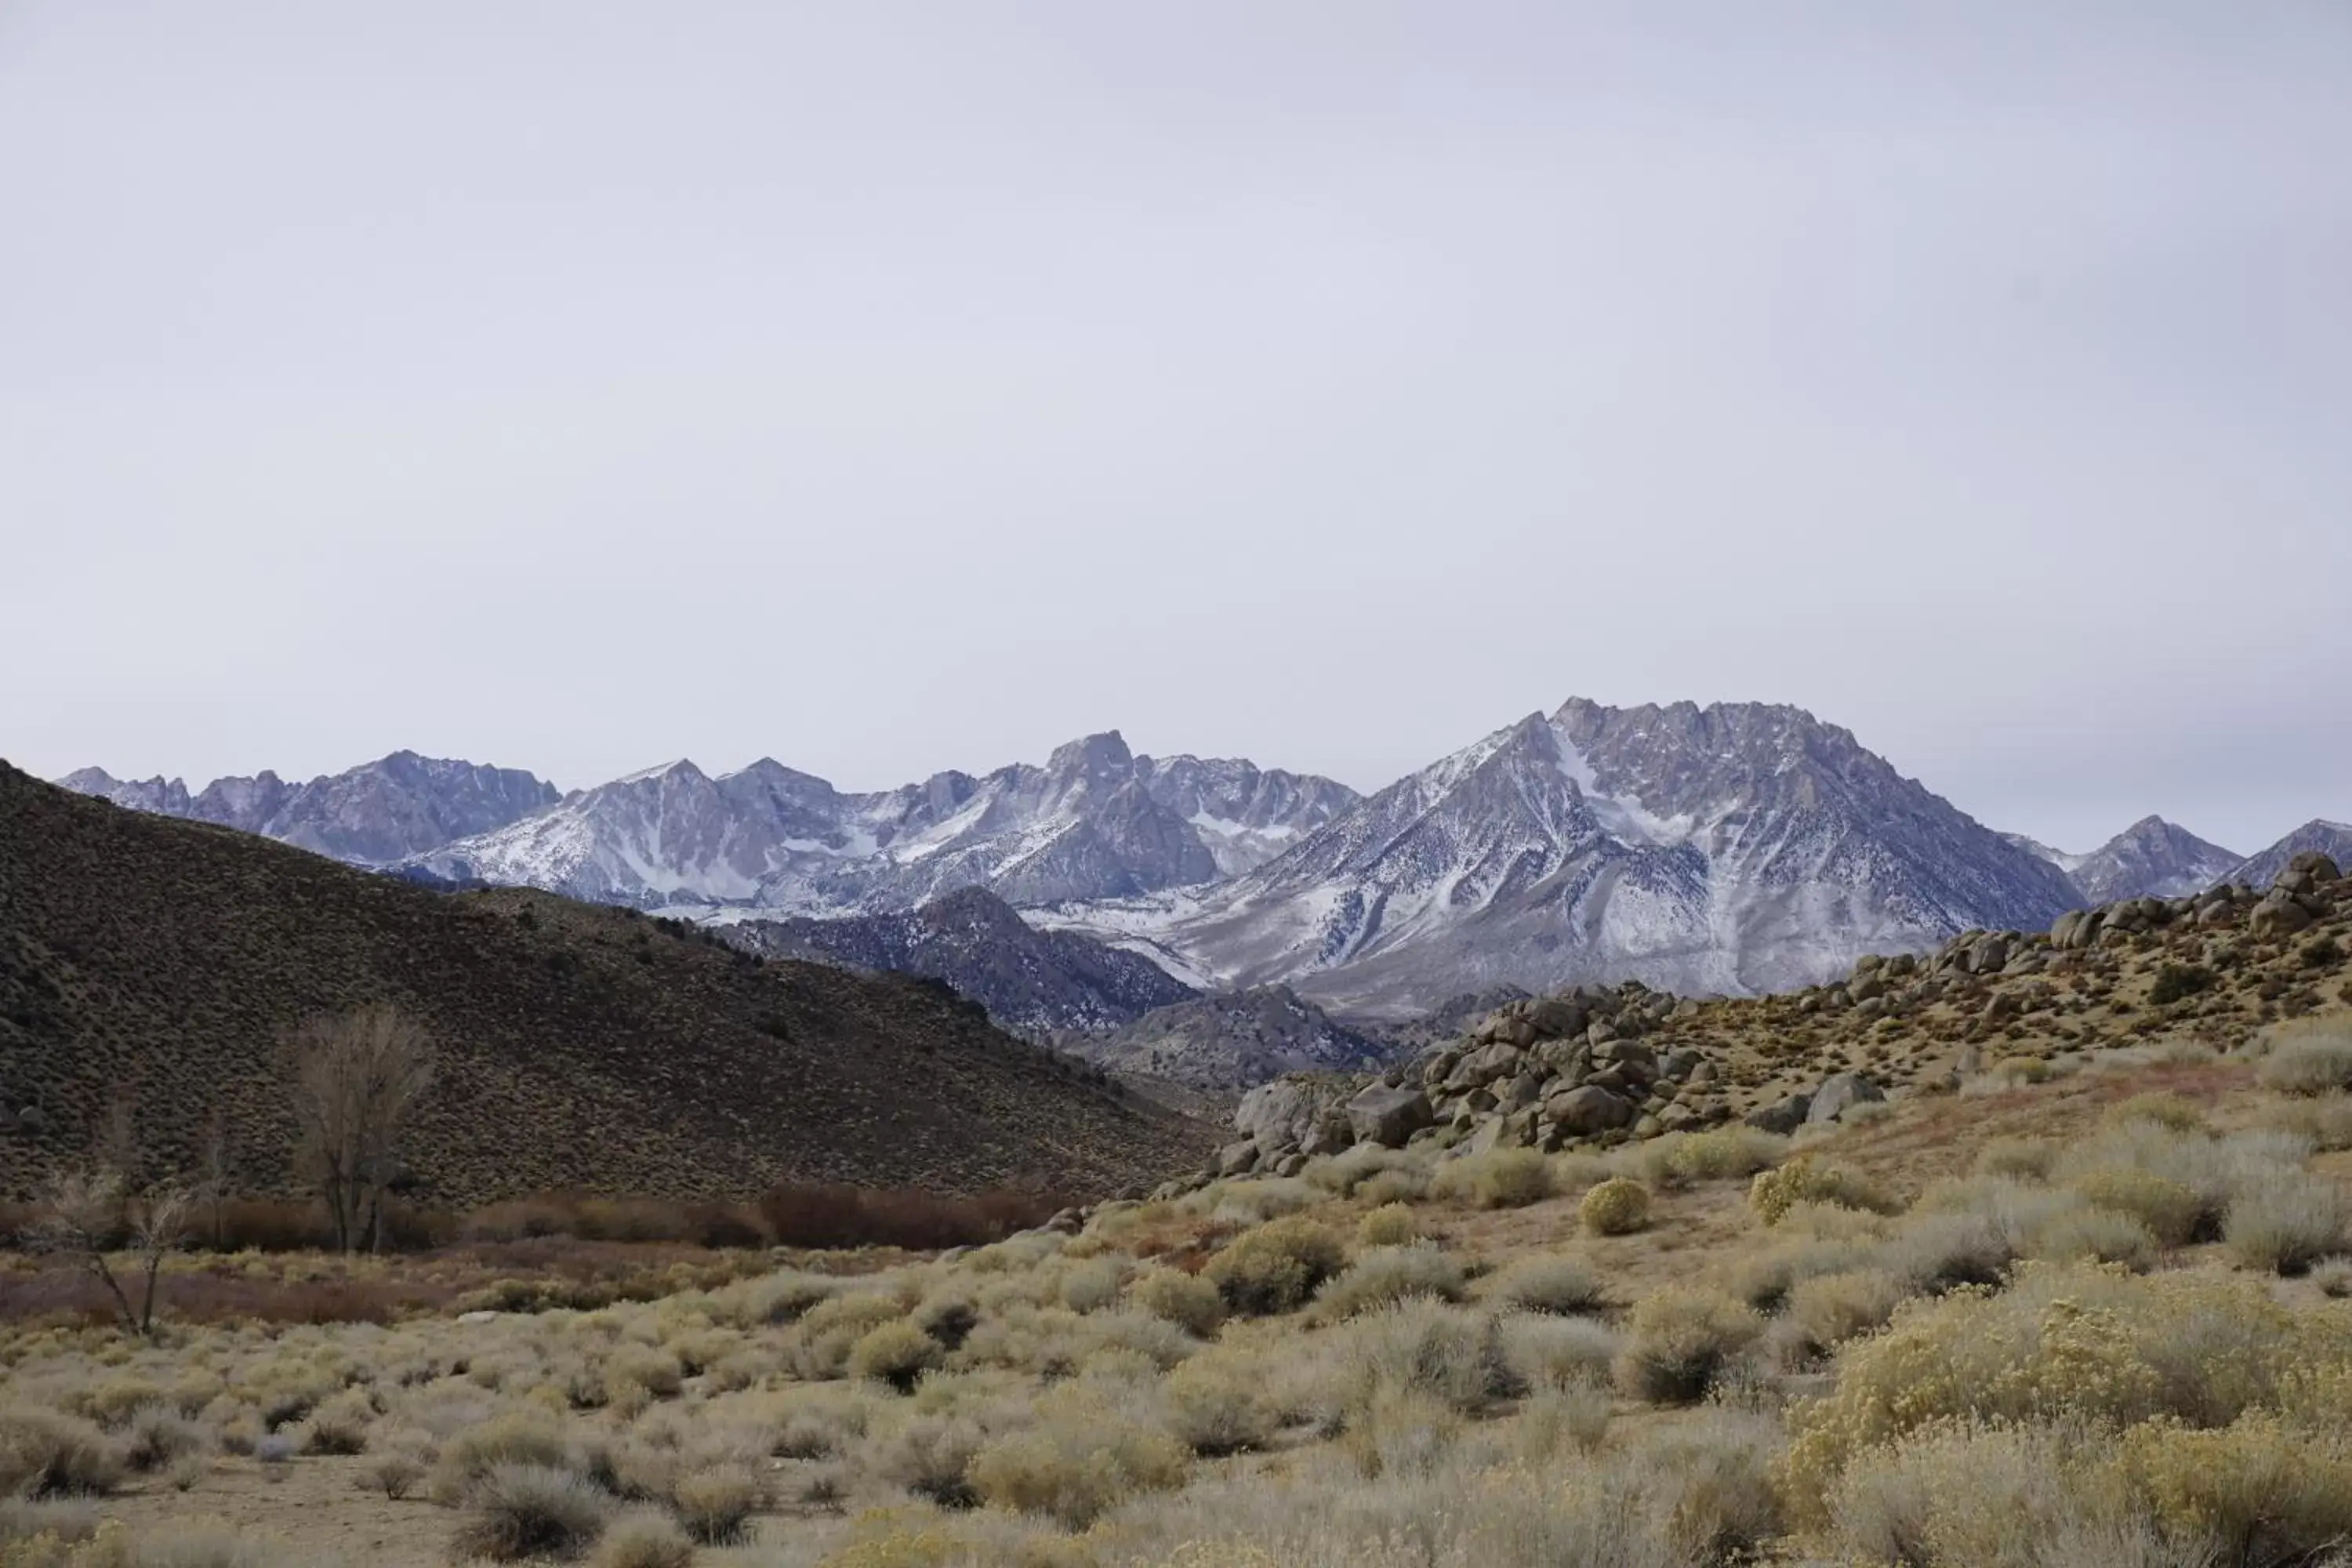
<point>2093,1320</point>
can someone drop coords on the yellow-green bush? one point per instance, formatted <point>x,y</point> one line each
<point>1679,1341</point>
<point>2309,1056</point>
<point>1276,1267</point>
<point>2063,1342</point>
<point>45,1453</point>
<point>1080,1459</point>
<point>1828,1309</point>
<point>2262,1490</point>
<point>514,1438</point>
<point>1549,1283</point>
<point>1618,1206</point>
<point>2285,1226</point>
<point>896,1353</point>
<point>1218,1406</point>
<point>715,1503</point>
<point>1497,1179</point>
<point>1391,1225</point>
<point>2170,1211</point>
<point>2020,1159</point>
<point>1388,1274</point>
<point>1805,1179</point>
<point>1184,1300</point>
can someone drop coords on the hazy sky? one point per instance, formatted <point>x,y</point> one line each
<point>885,388</point>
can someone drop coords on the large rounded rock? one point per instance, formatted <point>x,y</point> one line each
<point>2278,914</point>
<point>1389,1116</point>
<point>1783,1117</point>
<point>1839,1093</point>
<point>1588,1110</point>
<point>2315,865</point>
<point>1279,1114</point>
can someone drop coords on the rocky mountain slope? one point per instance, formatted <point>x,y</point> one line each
<point>1733,848</point>
<point>1037,984</point>
<point>1596,1066</point>
<point>1096,822</point>
<point>1230,1041</point>
<point>2333,840</point>
<point>158,963</point>
<point>371,814</point>
<point>2152,858</point>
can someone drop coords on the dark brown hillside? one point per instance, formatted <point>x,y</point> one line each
<point>158,962</point>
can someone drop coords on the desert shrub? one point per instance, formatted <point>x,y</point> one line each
<point>1941,1249</point>
<point>2063,1342</point>
<point>2324,1121</point>
<point>43,1453</point>
<point>644,1539</point>
<point>513,1440</point>
<point>1618,1206</point>
<point>1497,1179</point>
<point>1276,1267</point>
<point>1552,1283</point>
<point>516,1511</point>
<point>1092,1285</point>
<point>931,1455</point>
<point>780,1298</point>
<point>2101,1235</point>
<point>1391,1225</point>
<point>1345,1172</point>
<point>1080,1459</point>
<point>2334,1277</point>
<point>2265,1492</point>
<point>1216,1407</point>
<point>715,1503</point>
<point>1184,1300</point>
<point>2170,1112</point>
<point>2020,1159</point>
<point>656,1371</point>
<point>1828,1309</point>
<point>2170,1211</point>
<point>2286,1226</point>
<point>1714,1483</point>
<point>1724,1154</point>
<point>896,1353</point>
<point>1397,1185</point>
<point>394,1474</point>
<point>1576,1416</point>
<point>2309,1056</point>
<point>1960,1494</point>
<point>1680,1341</point>
<point>156,1436</point>
<point>1390,1274</point>
<point>2175,982</point>
<point>1763,1278</point>
<point>1401,1436</point>
<point>829,1331</point>
<point>1546,1353</point>
<point>1423,1349</point>
<point>340,1426</point>
<point>1804,1180</point>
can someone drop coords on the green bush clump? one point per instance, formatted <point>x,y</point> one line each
<point>1805,1179</point>
<point>1276,1268</point>
<point>1618,1206</point>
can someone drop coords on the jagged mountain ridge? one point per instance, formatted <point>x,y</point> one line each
<point>2333,840</point>
<point>1234,1040</point>
<point>2152,858</point>
<point>1096,822</point>
<point>372,815</point>
<point>1037,984</point>
<point>1737,847</point>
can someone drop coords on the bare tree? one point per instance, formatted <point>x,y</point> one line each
<point>85,1212</point>
<point>356,1077</point>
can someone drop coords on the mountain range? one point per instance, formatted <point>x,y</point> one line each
<point>2151,859</point>
<point>1735,847</point>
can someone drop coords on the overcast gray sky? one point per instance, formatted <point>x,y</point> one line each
<point>888,387</point>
